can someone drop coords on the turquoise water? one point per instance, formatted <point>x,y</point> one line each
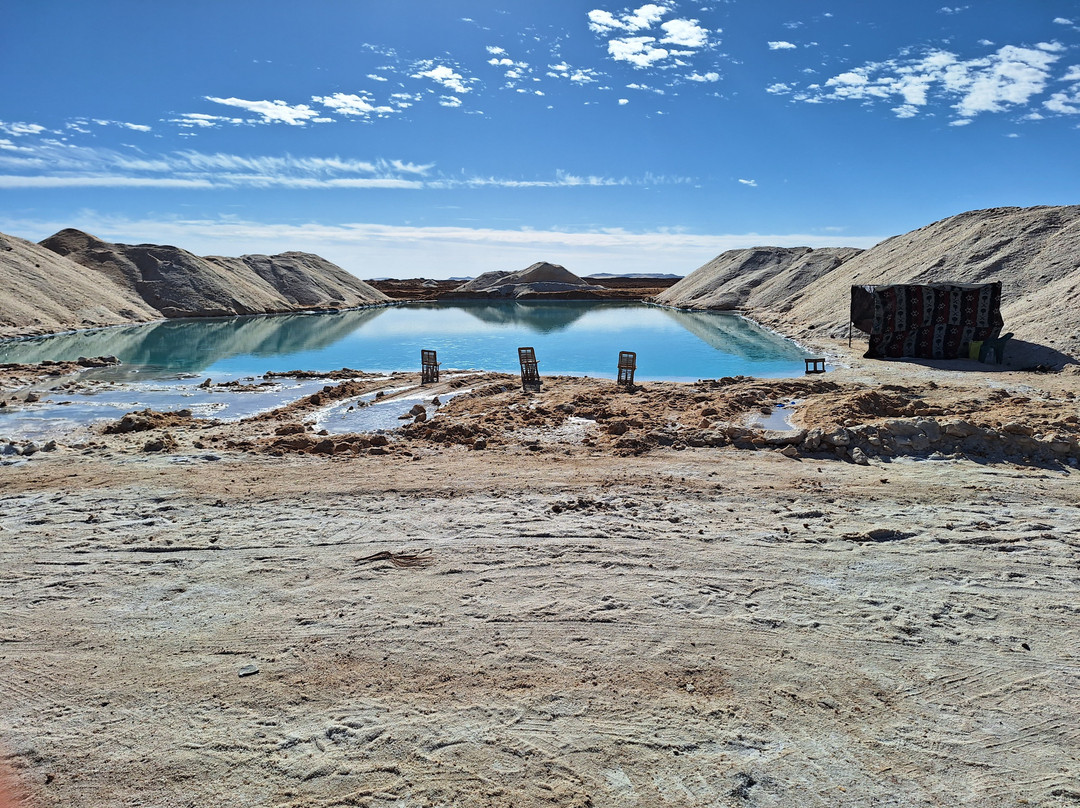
<point>570,338</point>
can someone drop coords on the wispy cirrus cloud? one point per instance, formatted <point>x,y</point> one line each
<point>55,164</point>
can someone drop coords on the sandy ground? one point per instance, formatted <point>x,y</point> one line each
<point>600,622</point>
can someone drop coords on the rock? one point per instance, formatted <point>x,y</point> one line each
<point>31,398</point>
<point>165,443</point>
<point>10,450</point>
<point>480,443</point>
<point>930,428</point>
<point>208,383</point>
<point>783,437</point>
<point>248,670</point>
<point>417,409</point>
<point>435,402</point>
<point>51,446</point>
<point>859,458</point>
<point>902,427</point>
<point>789,451</point>
<point>840,438</point>
<point>1014,428</point>
<point>290,429</point>
<point>420,417</point>
<point>960,429</point>
<point>377,450</point>
<point>29,449</point>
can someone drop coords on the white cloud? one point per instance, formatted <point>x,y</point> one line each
<point>355,105</point>
<point>639,37</point>
<point>449,101</point>
<point>138,127</point>
<point>751,183</point>
<point>779,88</point>
<point>1010,77</point>
<point>1062,21</point>
<point>638,50</point>
<point>706,78</point>
<point>623,102</point>
<point>445,76</point>
<point>377,77</point>
<point>647,15</point>
<point>272,111</point>
<point>19,129</point>
<point>8,145</point>
<point>577,75</point>
<point>781,45</point>
<point>685,33</point>
<point>190,120</point>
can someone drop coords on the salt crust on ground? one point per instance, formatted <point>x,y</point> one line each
<point>696,627</point>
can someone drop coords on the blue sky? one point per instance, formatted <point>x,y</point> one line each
<point>432,138</point>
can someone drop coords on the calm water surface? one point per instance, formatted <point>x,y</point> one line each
<point>570,337</point>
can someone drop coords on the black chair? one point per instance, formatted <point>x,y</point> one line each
<point>530,372</point>
<point>627,366</point>
<point>429,366</point>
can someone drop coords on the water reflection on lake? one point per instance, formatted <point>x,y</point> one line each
<point>570,337</point>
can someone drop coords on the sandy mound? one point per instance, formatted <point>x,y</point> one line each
<point>42,292</point>
<point>541,277</point>
<point>755,278</point>
<point>177,283</point>
<point>1034,252</point>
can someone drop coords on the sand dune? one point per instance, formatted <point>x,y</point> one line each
<point>74,280</point>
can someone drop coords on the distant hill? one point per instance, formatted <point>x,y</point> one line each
<point>540,278</point>
<point>1034,252</point>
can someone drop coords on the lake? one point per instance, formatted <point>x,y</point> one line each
<point>570,338</point>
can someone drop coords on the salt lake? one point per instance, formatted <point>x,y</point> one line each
<point>164,363</point>
<point>571,337</point>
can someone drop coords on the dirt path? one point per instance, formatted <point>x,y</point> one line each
<point>698,627</point>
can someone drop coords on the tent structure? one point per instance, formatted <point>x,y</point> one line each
<point>931,321</point>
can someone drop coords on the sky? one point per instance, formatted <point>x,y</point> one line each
<point>426,138</point>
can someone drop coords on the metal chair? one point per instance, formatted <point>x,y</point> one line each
<point>815,365</point>
<point>429,366</point>
<point>530,372</point>
<point>627,366</point>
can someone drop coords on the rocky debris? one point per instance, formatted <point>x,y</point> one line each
<point>343,373</point>
<point>148,419</point>
<point>162,443</point>
<point>14,375</point>
<point>97,361</point>
<point>307,443</point>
